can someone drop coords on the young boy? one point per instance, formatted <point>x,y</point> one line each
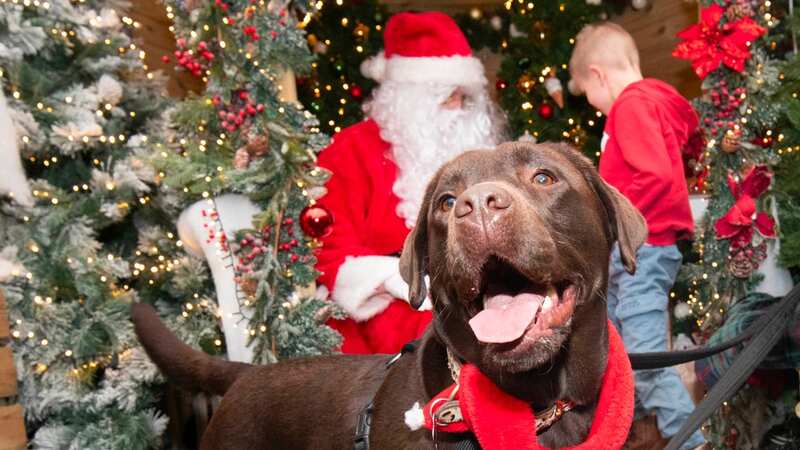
<point>647,124</point>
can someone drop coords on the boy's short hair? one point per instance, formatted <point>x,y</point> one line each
<point>603,43</point>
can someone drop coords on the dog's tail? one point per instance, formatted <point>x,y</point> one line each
<point>183,365</point>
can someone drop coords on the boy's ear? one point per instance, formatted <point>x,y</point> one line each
<point>597,72</point>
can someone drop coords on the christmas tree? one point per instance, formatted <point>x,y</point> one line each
<point>80,109</point>
<point>112,164</point>
<point>534,72</point>
<point>734,51</point>
<point>240,137</point>
<point>342,34</point>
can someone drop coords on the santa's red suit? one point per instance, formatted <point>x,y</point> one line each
<point>362,251</point>
<point>359,260</point>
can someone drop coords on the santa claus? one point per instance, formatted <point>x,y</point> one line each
<point>431,105</point>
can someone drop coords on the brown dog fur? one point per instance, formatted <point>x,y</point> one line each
<point>561,232</point>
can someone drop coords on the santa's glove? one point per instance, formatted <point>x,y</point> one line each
<point>396,286</point>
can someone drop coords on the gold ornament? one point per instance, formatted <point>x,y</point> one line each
<point>361,31</point>
<point>738,11</point>
<point>525,83</point>
<point>541,29</point>
<point>730,142</point>
<point>241,159</point>
<point>312,40</point>
<point>248,285</point>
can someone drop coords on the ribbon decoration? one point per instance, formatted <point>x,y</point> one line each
<point>740,220</point>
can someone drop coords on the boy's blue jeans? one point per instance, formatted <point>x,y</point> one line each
<point>637,306</point>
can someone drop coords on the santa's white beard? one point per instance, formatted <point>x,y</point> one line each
<point>424,135</point>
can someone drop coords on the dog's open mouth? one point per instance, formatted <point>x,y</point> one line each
<point>510,305</point>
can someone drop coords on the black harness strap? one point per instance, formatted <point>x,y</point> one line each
<point>364,421</point>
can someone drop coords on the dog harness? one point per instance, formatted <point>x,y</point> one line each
<point>475,406</point>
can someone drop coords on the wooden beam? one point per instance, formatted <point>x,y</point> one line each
<point>12,425</point>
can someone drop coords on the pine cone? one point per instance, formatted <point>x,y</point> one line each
<point>258,146</point>
<point>741,265</point>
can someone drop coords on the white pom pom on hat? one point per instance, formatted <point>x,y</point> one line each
<point>374,67</point>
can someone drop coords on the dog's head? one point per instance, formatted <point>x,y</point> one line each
<point>516,243</point>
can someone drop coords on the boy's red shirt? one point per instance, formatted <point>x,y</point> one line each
<point>645,132</point>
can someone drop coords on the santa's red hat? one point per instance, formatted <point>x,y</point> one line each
<point>424,47</point>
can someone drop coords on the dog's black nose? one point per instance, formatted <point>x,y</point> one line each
<point>488,198</point>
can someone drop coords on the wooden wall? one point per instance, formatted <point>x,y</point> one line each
<point>154,37</point>
<point>654,30</point>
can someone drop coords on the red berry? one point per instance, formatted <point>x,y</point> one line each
<point>231,117</point>
<point>243,95</point>
<point>260,107</point>
<point>165,59</point>
<point>293,242</point>
<point>294,258</point>
<point>288,221</point>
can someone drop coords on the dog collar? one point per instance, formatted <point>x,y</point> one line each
<point>449,412</point>
<point>501,421</point>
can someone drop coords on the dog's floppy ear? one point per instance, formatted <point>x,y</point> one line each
<point>628,226</point>
<point>413,260</point>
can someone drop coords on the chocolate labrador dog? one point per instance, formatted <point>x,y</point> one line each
<point>516,243</point>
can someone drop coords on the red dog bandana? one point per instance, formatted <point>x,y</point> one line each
<point>501,421</point>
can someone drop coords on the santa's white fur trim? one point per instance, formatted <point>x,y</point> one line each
<point>374,67</point>
<point>451,70</point>
<point>415,418</point>
<point>359,284</point>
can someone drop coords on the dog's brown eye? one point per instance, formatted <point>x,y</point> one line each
<point>543,179</point>
<point>447,203</point>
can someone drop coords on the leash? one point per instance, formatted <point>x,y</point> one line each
<point>766,331</point>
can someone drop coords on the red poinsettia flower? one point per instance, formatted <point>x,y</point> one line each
<point>738,223</point>
<point>708,44</point>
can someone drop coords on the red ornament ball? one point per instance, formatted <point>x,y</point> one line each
<point>500,84</point>
<point>316,221</point>
<point>356,91</point>
<point>545,111</point>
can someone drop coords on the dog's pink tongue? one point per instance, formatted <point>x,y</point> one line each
<point>505,318</point>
